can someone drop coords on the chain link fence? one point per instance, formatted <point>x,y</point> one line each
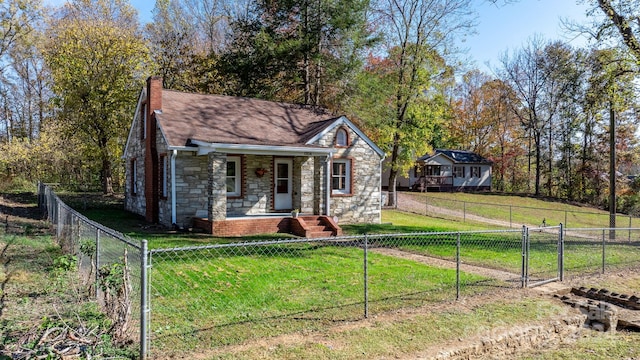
<point>194,299</point>
<point>506,215</point>
<point>109,263</point>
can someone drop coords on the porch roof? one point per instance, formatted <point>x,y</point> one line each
<point>456,157</point>
<point>205,148</point>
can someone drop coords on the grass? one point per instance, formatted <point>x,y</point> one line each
<point>394,221</point>
<point>38,293</point>
<point>402,336</point>
<point>208,290</point>
<point>524,209</point>
<point>220,299</point>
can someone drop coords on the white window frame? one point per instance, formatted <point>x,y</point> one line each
<point>342,137</point>
<point>237,177</point>
<point>346,182</point>
<point>475,171</point>
<point>134,176</point>
<point>164,173</point>
<point>144,121</point>
<point>456,171</point>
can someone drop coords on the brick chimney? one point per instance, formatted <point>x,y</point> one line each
<point>151,171</point>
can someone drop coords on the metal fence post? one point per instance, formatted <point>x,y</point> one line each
<point>143,300</point>
<point>561,252</point>
<point>527,252</point>
<point>603,246</point>
<point>58,215</point>
<point>458,267</point>
<point>524,250</point>
<point>97,262</point>
<point>366,278</point>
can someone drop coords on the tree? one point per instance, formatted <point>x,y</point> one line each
<point>486,124</point>
<point>374,105</point>
<point>297,50</point>
<point>621,16</point>
<point>474,127</point>
<point>417,36</point>
<point>18,65</point>
<point>540,75</point>
<point>96,58</point>
<point>171,43</point>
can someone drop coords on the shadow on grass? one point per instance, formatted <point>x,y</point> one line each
<point>353,311</point>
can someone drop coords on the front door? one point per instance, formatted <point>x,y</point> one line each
<point>283,199</point>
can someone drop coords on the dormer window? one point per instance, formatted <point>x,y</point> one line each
<point>342,138</point>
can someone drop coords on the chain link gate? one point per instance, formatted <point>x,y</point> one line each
<point>542,255</point>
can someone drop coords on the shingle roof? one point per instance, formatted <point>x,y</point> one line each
<point>235,120</point>
<point>458,157</point>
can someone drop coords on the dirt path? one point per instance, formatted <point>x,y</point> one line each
<point>492,273</point>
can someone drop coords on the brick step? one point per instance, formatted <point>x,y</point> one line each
<point>320,234</point>
<point>315,228</point>
<point>312,220</point>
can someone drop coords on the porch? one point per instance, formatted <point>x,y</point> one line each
<point>308,226</point>
<point>433,183</point>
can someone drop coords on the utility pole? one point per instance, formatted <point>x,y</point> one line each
<point>612,170</point>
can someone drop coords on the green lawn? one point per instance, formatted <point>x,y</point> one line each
<point>520,210</point>
<point>194,292</point>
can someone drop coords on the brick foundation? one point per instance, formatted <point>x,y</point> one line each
<point>266,225</point>
<point>243,227</point>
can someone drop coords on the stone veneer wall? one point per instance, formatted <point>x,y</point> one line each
<point>136,150</point>
<point>191,189</point>
<point>256,191</point>
<point>304,185</point>
<point>364,204</point>
<point>217,188</point>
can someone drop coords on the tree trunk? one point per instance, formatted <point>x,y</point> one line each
<point>107,177</point>
<point>393,172</point>
<point>538,160</point>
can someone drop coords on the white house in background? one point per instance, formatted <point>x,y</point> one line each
<point>446,170</point>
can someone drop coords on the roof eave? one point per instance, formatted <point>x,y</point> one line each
<point>204,148</point>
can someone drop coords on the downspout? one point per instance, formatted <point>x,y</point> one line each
<point>327,200</point>
<point>173,186</point>
<point>384,156</point>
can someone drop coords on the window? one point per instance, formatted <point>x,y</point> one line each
<point>341,176</point>
<point>134,176</point>
<point>433,170</point>
<point>144,122</point>
<point>164,172</point>
<point>233,175</point>
<point>342,138</point>
<point>458,171</point>
<point>475,171</point>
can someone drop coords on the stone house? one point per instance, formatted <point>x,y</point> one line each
<point>237,166</point>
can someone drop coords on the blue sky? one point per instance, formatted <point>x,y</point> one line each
<point>508,27</point>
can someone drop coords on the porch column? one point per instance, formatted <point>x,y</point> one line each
<point>304,184</point>
<point>217,188</point>
<point>327,188</point>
